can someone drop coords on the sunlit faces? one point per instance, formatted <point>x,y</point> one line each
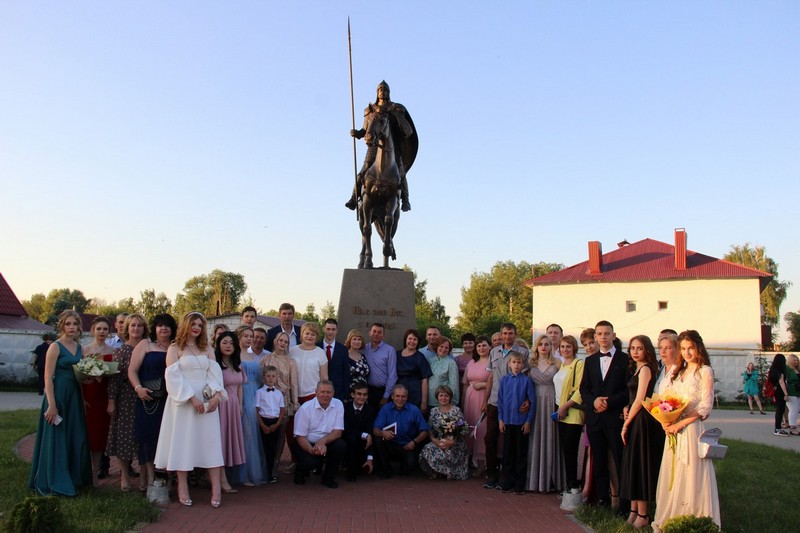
<point>246,339</point>
<point>286,316</point>
<point>444,349</point>
<point>356,343</point>
<point>497,339</point>
<point>792,361</point>
<point>444,398</point>
<point>324,394</point>
<point>666,350</point>
<point>70,327</point>
<point>750,367</point>
<point>330,331</point>
<point>468,346</point>
<point>309,337</point>
<point>259,340</point>
<point>689,352</point>
<point>543,347</point>
<point>566,349</point>
<point>399,397</point>
<point>119,323</point>
<point>636,350</point>
<point>555,334</point>
<point>515,364</point>
<point>135,328</point>
<point>249,318</point>
<point>163,332</point>
<point>270,377</point>
<point>196,328</point>
<point>432,334</point>
<point>101,331</point>
<point>360,396</point>
<point>376,335</point>
<point>281,342</point>
<point>226,346</point>
<point>483,348</point>
<point>591,347</point>
<point>604,335</point>
<point>412,342</point>
<point>508,336</point>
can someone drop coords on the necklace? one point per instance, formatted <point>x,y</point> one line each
<point>158,343</point>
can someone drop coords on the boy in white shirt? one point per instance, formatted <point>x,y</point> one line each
<point>271,411</point>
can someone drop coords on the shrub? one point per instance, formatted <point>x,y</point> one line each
<point>691,524</point>
<point>35,514</point>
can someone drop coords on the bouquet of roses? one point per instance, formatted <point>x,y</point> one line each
<point>667,408</point>
<point>93,367</point>
<point>453,426</point>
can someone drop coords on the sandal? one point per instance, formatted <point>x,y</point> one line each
<point>632,517</point>
<point>646,518</point>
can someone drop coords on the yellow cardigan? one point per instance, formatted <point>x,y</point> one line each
<point>572,391</point>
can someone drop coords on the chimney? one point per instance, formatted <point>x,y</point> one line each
<point>595,258</point>
<point>680,249</point>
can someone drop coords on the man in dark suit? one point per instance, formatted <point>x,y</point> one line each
<point>286,314</point>
<point>358,419</point>
<point>604,390</point>
<point>338,360</point>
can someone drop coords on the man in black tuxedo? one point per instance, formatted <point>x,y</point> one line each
<point>358,419</point>
<point>338,360</point>
<point>286,314</point>
<point>604,390</point>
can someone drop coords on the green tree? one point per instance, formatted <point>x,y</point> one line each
<point>773,296</point>
<point>310,314</point>
<point>36,307</point>
<point>429,312</point>
<point>500,295</point>
<point>793,327</point>
<point>100,307</point>
<point>213,294</point>
<point>46,309</point>
<point>328,311</point>
<point>151,304</point>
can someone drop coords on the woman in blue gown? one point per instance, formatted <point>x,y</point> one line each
<point>61,461</point>
<point>255,466</point>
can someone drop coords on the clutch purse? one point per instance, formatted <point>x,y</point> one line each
<point>708,446</point>
<point>156,387</point>
<point>207,392</point>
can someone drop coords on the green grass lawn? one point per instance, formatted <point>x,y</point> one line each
<point>758,487</point>
<point>93,510</point>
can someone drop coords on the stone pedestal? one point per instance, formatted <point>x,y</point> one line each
<point>377,295</point>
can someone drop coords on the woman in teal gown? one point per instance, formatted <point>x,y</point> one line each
<point>61,461</point>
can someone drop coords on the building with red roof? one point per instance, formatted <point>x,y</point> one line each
<point>19,335</point>
<point>650,285</point>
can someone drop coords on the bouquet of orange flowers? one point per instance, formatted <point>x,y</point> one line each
<point>667,409</point>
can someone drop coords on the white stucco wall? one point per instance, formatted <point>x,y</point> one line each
<point>727,313</point>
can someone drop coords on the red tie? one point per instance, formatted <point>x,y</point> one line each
<point>328,352</point>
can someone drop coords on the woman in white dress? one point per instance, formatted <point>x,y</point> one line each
<point>690,488</point>
<point>191,416</point>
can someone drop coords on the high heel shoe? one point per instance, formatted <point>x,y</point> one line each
<point>187,502</point>
<point>216,503</point>
<point>632,517</point>
<point>229,490</point>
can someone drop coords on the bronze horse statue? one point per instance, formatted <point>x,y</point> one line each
<point>380,196</point>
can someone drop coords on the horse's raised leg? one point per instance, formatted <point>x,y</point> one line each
<point>366,239</point>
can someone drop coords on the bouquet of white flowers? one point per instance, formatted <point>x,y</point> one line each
<point>91,366</point>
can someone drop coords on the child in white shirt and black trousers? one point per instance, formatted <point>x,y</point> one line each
<point>271,411</point>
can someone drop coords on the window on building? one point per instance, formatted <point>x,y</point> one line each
<point>630,306</point>
<point>663,305</point>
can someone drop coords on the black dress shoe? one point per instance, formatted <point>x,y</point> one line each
<point>331,484</point>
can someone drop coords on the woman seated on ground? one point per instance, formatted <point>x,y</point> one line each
<point>446,454</point>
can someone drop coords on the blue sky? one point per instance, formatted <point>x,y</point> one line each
<point>143,143</point>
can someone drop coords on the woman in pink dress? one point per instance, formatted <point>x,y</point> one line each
<point>228,355</point>
<point>475,377</point>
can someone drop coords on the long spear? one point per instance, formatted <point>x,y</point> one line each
<point>352,108</point>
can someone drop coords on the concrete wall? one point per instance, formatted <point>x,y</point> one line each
<point>727,313</point>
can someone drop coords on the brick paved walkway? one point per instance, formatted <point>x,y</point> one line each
<point>412,503</point>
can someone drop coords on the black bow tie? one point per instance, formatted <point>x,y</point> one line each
<point>605,354</point>
<point>270,389</point>
<point>358,411</point>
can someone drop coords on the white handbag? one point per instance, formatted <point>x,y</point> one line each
<point>708,446</point>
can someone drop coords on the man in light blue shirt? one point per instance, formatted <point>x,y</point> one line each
<point>382,361</point>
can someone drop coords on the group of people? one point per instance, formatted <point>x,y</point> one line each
<point>229,403</point>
